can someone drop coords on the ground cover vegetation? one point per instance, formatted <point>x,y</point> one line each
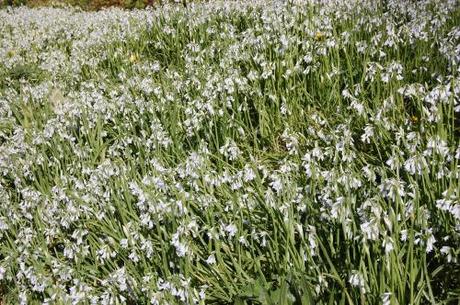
<point>248,152</point>
<point>93,4</point>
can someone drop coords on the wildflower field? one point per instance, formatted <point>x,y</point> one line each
<point>231,152</point>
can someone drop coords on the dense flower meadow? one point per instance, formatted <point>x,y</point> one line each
<point>236,152</point>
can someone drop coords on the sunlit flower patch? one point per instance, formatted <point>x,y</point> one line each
<point>234,152</point>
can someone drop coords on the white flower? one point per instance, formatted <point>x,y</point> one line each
<point>388,244</point>
<point>211,259</point>
<point>386,298</point>
<point>436,145</point>
<point>230,150</point>
<point>392,188</point>
<point>242,240</point>
<point>404,235</point>
<point>124,243</point>
<point>2,273</point>
<point>133,256</point>
<point>276,183</point>
<point>249,174</point>
<point>368,134</point>
<point>181,248</point>
<point>231,230</point>
<point>202,293</point>
<point>430,242</point>
<point>370,229</point>
<point>357,280</point>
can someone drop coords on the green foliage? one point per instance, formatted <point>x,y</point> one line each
<point>230,153</point>
<point>91,4</point>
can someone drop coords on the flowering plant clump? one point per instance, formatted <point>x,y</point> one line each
<point>231,152</point>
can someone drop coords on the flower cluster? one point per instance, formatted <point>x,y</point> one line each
<point>231,150</point>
